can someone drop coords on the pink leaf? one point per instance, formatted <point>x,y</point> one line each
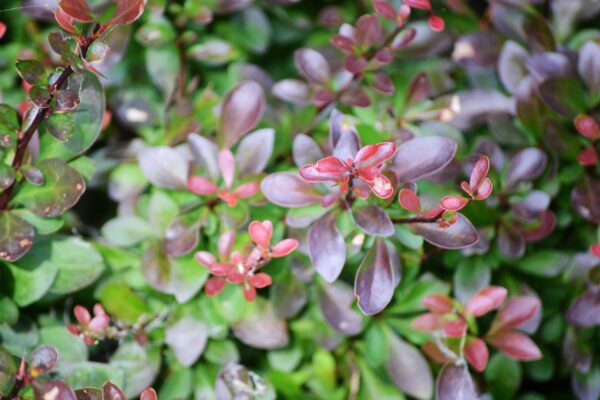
<point>77,9</point>
<point>327,169</point>
<point>436,23</point>
<point>99,323</point>
<point>438,303</point>
<point>241,110</point>
<point>484,190</point>
<point>214,285</point>
<point>419,4</point>
<point>205,258</point>
<point>477,353</point>
<point>588,156</point>
<point>479,172</point>
<point>261,233</point>
<point>64,20</point>
<point>127,11</point>
<point>260,280</point>
<point>2,29</point>
<point>516,312</point>
<point>595,249</point>
<point>486,300</point>
<point>284,247</point>
<point>246,190</point>
<point>82,315</point>
<point>453,203</point>
<point>517,345</point>
<point>224,245</point>
<point>227,166</point>
<point>409,200</point>
<point>385,9</point>
<point>456,329</point>
<point>427,322</point>
<point>374,154</point>
<point>99,310</point>
<point>201,186</point>
<point>149,394</point>
<point>587,126</point>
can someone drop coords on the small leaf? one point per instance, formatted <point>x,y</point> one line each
<point>374,283</point>
<point>517,346</point>
<point>287,189</point>
<point>66,99</point>
<point>589,66</point>
<point>164,167</point>
<point>32,174</point>
<point>335,302</point>
<point>127,11</point>
<point>97,51</point>
<point>53,390</point>
<point>305,150</point>
<point>254,151</point>
<point>110,391</point>
<point>459,235</point>
<point>77,9</point>
<point>517,312</point>
<point>585,199</point>
<point>241,110</point>
<point>526,165</point>
<point>455,383</point>
<point>187,338</point>
<point>262,329</point>
<point>60,126</point>
<point>408,369</point>
<point>327,248</point>
<point>61,190</point>
<point>40,96</point>
<point>423,156</point>
<point>293,90</point>
<point>16,236</point>
<point>373,220</point>
<point>32,72</point>
<point>312,65</point>
<point>7,176</point>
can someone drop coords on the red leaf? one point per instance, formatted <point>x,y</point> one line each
<point>453,203</point>
<point>64,20</point>
<point>595,249</point>
<point>456,328</point>
<point>327,169</point>
<point>587,126</point>
<point>226,166</point>
<point>284,247</point>
<point>249,292</point>
<point>77,9</point>
<point>2,29</point>
<point>409,200</point>
<point>82,315</point>
<point>516,312</point>
<point>436,23</point>
<point>438,303</point>
<point>477,353</point>
<point>260,280</point>
<point>149,394</point>
<point>587,157</point>
<point>214,285</point>
<point>484,190</point>
<point>261,233</point>
<point>99,323</point>
<point>486,300</point>
<point>479,172</point>
<point>127,11</point>
<point>427,322</point>
<point>517,345</point>
<point>201,186</point>
<point>379,184</point>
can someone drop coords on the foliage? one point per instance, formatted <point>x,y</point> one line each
<point>251,199</point>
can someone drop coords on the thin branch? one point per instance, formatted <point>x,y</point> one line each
<point>416,220</point>
<point>42,114</point>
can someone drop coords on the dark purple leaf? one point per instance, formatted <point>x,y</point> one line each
<point>262,329</point>
<point>564,95</point>
<point>40,96</point>
<point>459,235</point>
<point>43,359</point>
<point>60,126</point>
<point>585,311</point>
<point>548,65</point>
<point>423,156</point>
<point>164,167</point>
<point>538,34</point>
<point>16,236</point>
<point>110,391</point>
<point>335,302</point>
<point>418,89</point>
<point>408,369</point>
<point>327,248</point>
<point>293,90</point>
<point>357,97</point>
<point>585,199</point>
<point>529,107</point>
<point>127,11</point>
<point>66,99</point>
<point>455,383</point>
<point>254,151</point>
<point>77,9</point>
<point>312,65</point>
<point>89,394</point>
<point>589,66</point>
<point>525,166</point>
<point>305,150</point>
<point>55,390</point>
<point>187,338</point>
<point>383,83</point>
<point>478,104</point>
<point>374,283</point>
<point>477,50</point>
<point>368,30</point>
<point>510,242</point>
<point>287,189</point>
<point>205,153</point>
<point>373,220</point>
<point>241,110</point>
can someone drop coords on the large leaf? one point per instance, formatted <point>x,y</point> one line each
<point>526,165</point>
<point>589,66</point>
<point>164,167</point>
<point>327,248</point>
<point>585,311</point>
<point>459,235</point>
<point>287,189</point>
<point>423,156</point>
<point>335,302</point>
<point>126,230</point>
<point>123,303</point>
<point>241,110</point>
<point>62,188</point>
<point>87,119</point>
<point>374,284</point>
<point>455,383</point>
<point>31,279</point>
<point>511,65</point>
<point>254,151</point>
<point>16,236</point>
<point>187,338</point>
<point>408,369</point>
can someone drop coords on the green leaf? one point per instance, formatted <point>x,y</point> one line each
<point>9,312</point>
<point>16,236</point>
<point>61,190</point>
<point>123,303</point>
<point>8,117</point>
<point>161,212</point>
<point>564,95</point>
<point>126,230</point>
<point>97,51</point>
<point>503,376</point>
<point>32,278</point>
<point>70,347</point>
<point>187,277</point>
<point>178,386</point>
<point>8,369</point>
<point>140,365</point>
<point>87,118</point>
<point>60,126</point>
<point>32,72</point>
<point>92,374</point>
<point>163,74</point>
<point>255,29</point>
<point>43,226</point>
<point>7,176</point>
<point>86,166</point>
<point>546,263</point>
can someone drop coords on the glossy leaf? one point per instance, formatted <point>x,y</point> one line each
<point>423,156</point>
<point>589,65</point>
<point>516,312</point>
<point>374,283</point>
<point>526,165</point>
<point>32,72</point>
<point>312,65</point>
<point>16,236</point>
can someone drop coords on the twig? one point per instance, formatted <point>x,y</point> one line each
<point>416,220</point>
<point>43,113</point>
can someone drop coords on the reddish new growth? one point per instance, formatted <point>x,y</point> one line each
<point>588,128</point>
<point>385,9</point>
<point>204,187</point>
<point>479,187</point>
<point>90,329</point>
<point>455,328</point>
<point>235,268</point>
<point>366,167</point>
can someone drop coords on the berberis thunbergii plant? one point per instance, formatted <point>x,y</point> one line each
<point>342,199</point>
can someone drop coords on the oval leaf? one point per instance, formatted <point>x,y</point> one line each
<point>459,235</point>
<point>327,248</point>
<point>241,110</point>
<point>373,220</point>
<point>423,156</point>
<point>374,284</point>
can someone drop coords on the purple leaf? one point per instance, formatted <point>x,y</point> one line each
<point>53,390</point>
<point>43,358</point>
<point>293,90</point>
<point>288,295</point>
<point>408,369</point>
<point>110,391</point>
<point>16,236</point>
<point>459,235</point>
<point>374,283</point>
<point>368,30</point>
<point>262,329</point>
<point>455,383</point>
<point>585,199</point>
<point>181,237</point>
<point>241,110</point>
<point>335,302</point>
<point>312,65</point>
<point>187,338</point>
<point>327,248</point>
<point>373,220</point>
<point>254,151</point>
<point>305,216</point>
<point>343,137</point>
<point>205,153</point>
<point>574,356</point>
<point>477,50</point>
<point>156,268</point>
<point>530,207</point>
<point>510,242</point>
<point>423,156</point>
<point>164,167</point>
<point>586,387</point>
<point>305,150</point>
<point>526,165</point>
<point>585,311</point>
<point>529,107</point>
<point>287,189</point>
<point>589,66</point>
<point>478,104</point>
<point>548,65</point>
<point>511,65</point>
